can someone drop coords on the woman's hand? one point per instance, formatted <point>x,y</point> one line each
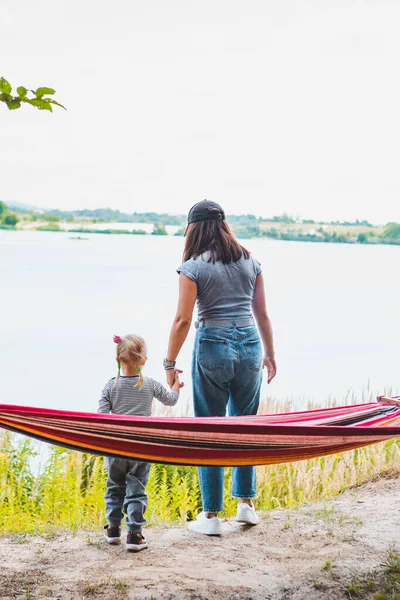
<point>270,364</point>
<point>171,376</point>
<point>177,384</point>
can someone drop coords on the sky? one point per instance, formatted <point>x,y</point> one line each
<point>266,107</point>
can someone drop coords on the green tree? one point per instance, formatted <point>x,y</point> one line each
<point>284,218</point>
<point>38,98</point>
<point>362,238</point>
<point>392,231</point>
<point>10,219</point>
<point>3,208</point>
<point>51,217</point>
<point>248,231</point>
<point>273,233</point>
<point>159,229</point>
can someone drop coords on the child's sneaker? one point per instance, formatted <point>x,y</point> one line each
<point>202,524</point>
<point>246,514</point>
<point>112,533</point>
<point>135,541</point>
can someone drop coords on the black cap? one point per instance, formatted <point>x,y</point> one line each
<point>206,210</point>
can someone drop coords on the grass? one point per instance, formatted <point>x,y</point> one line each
<point>389,582</point>
<point>379,584</point>
<point>68,492</point>
<point>382,583</point>
<point>111,587</point>
<point>21,584</point>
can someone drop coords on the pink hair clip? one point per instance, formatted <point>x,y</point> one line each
<point>117,339</point>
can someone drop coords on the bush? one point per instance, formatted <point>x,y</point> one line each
<point>10,219</point>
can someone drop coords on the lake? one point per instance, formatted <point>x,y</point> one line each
<point>334,310</point>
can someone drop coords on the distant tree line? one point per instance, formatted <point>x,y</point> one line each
<point>244,226</point>
<point>107,215</point>
<point>390,234</point>
<point>104,215</point>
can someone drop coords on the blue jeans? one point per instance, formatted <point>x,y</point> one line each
<point>126,492</point>
<point>226,373</point>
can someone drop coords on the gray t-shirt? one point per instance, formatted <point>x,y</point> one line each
<point>126,399</point>
<point>223,290</point>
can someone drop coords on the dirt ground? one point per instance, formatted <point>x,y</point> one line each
<point>336,549</point>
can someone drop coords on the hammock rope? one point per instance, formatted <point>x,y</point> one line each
<point>213,441</point>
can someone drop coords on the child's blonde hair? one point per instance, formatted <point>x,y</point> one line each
<point>131,348</point>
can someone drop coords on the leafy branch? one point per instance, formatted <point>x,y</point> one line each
<point>38,98</point>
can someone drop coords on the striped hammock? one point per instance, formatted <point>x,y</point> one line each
<point>217,441</point>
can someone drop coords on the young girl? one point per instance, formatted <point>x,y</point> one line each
<point>130,394</point>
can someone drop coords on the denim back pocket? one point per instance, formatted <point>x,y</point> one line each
<point>212,353</point>
<point>254,354</point>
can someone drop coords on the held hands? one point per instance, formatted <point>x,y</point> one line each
<point>270,364</point>
<point>173,379</point>
<point>177,384</point>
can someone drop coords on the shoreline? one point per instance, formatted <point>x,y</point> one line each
<point>285,238</point>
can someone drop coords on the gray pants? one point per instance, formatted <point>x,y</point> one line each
<point>126,492</point>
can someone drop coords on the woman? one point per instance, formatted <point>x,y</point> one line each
<point>228,358</point>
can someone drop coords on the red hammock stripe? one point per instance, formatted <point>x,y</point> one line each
<point>225,441</point>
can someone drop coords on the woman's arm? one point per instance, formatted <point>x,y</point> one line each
<point>264,326</point>
<point>183,319</point>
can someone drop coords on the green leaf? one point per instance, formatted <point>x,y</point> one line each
<point>36,102</point>
<point>41,103</point>
<point>58,104</point>
<point>46,104</point>
<point>40,92</point>
<point>5,87</point>
<point>14,103</point>
<point>22,91</point>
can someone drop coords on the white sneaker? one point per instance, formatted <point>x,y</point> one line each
<point>202,524</point>
<point>247,514</point>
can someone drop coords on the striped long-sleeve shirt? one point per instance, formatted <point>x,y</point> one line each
<point>126,399</point>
